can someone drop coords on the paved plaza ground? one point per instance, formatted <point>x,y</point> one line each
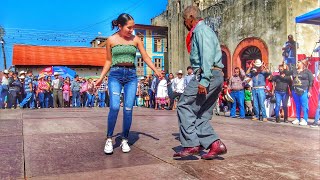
<point>68,144</point>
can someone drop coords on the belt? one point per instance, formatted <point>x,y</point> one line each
<point>258,87</point>
<point>216,68</point>
<point>129,67</point>
<point>237,90</point>
<point>281,90</point>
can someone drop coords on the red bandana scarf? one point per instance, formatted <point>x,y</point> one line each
<point>189,38</point>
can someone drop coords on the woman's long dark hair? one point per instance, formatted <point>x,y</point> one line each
<point>122,20</point>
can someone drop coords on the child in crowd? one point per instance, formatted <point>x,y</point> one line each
<point>247,99</point>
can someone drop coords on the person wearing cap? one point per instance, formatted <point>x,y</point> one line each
<point>75,88</point>
<point>289,51</point>
<point>236,85</point>
<point>57,84</point>
<point>189,76</point>
<point>14,90</point>
<point>301,87</point>
<point>177,88</point>
<point>43,87</point>
<point>196,104</point>
<point>28,89</point>
<point>258,73</point>
<point>4,88</point>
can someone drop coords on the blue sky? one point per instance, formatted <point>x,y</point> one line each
<point>67,22</point>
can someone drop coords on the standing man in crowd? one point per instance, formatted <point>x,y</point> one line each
<point>189,76</point>
<point>236,85</point>
<point>14,90</point>
<point>4,88</point>
<point>28,89</point>
<point>196,104</point>
<point>258,73</point>
<point>75,88</point>
<point>177,87</point>
<point>57,84</point>
<point>289,52</point>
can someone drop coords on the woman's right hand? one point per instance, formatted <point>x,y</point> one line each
<point>98,82</point>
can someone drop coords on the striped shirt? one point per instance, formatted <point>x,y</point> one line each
<point>27,83</point>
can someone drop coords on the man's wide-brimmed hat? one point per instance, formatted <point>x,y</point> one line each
<point>5,71</point>
<point>41,76</point>
<point>180,72</point>
<point>56,74</point>
<point>257,63</point>
<point>228,97</point>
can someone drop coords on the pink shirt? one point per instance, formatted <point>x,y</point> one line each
<point>66,87</point>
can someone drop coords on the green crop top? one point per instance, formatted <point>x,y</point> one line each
<point>123,53</point>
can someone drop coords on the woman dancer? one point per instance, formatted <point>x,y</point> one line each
<point>121,52</point>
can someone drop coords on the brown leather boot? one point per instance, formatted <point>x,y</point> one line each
<point>217,148</point>
<point>188,151</point>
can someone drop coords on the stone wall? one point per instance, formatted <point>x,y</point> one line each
<point>305,34</point>
<point>268,21</point>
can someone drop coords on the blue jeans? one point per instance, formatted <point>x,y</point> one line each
<point>90,100</point>
<point>102,97</point>
<point>301,102</point>
<point>259,96</point>
<point>121,77</point>
<point>3,94</point>
<point>29,98</point>
<point>75,99</point>
<point>238,97</point>
<point>317,115</point>
<point>281,97</point>
<point>41,99</point>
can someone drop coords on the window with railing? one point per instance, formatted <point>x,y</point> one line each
<point>157,44</point>
<point>158,63</point>
<point>140,66</point>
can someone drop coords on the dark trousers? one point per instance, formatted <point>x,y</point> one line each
<point>12,99</point>
<point>173,96</point>
<point>151,95</point>
<point>57,97</point>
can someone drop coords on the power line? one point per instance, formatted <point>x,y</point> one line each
<point>112,16</point>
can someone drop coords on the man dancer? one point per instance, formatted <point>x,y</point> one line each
<point>197,102</point>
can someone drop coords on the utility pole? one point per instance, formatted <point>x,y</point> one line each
<point>4,54</point>
<point>2,33</point>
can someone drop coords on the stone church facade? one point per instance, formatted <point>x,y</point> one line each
<point>247,30</point>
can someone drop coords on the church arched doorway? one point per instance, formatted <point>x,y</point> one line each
<point>248,50</point>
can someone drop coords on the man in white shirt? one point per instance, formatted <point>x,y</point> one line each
<point>57,91</point>
<point>177,87</point>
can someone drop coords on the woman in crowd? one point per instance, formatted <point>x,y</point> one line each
<point>66,92</point>
<point>162,92</point>
<point>302,84</point>
<point>90,93</point>
<point>121,53</point>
